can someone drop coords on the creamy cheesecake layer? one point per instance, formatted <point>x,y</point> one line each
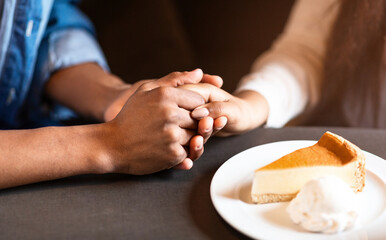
<point>289,181</point>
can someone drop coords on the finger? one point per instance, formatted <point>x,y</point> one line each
<point>183,98</point>
<point>209,92</point>
<point>214,110</point>
<point>196,147</point>
<point>184,120</point>
<point>176,79</point>
<point>186,99</point>
<point>184,165</point>
<point>205,128</point>
<point>179,153</point>
<point>212,79</point>
<point>185,136</point>
<point>218,124</point>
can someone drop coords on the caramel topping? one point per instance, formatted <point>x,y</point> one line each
<point>330,150</point>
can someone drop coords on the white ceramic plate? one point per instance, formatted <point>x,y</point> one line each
<point>231,186</point>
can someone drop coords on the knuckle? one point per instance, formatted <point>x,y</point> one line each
<point>216,107</point>
<point>168,114</point>
<point>171,134</point>
<point>178,82</point>
<point>175,74</point>
<point>145,85</point>
<point>161,93</point>
<point>177,153</point>
<point>164,92</point>
<point>176,78</point>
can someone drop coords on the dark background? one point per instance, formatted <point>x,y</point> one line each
<point>148,39</point>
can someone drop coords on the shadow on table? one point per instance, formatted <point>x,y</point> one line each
<point>204,214</point>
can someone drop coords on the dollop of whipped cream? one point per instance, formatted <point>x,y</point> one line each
<point>326,205</point>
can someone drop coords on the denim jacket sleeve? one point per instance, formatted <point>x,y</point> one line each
<point>69,40</point>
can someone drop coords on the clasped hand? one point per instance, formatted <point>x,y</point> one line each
<point>164,123</point>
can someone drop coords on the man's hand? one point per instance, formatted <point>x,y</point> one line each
<point>153,129</point>
<point>119,101</point>
<point>196,145</point>
<point>173,79</point>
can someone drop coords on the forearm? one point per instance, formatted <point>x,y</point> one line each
<point>28,156</point>
<point>86,89</point>
<point>144,138</point>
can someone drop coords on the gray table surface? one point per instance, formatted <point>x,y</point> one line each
<point>167,205</point>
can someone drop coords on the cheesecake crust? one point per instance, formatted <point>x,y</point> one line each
<point>360,175</point>
<point>272,197</point>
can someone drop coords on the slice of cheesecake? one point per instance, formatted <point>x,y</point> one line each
<point>331,155</point>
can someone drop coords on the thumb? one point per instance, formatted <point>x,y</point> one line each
<point>213,109</point>
<point>176,79</point>
<point>212,79</point>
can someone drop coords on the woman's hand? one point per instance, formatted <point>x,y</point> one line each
<point>243,111</point>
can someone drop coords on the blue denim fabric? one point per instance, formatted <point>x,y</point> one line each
<point>37,38</point>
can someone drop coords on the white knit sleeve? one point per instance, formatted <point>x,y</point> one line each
<point>289,74</point>
<point>285,96</point>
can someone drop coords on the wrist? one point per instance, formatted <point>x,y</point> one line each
<point>100,152</point>
<point>255,107</point>
<point>112,90</point>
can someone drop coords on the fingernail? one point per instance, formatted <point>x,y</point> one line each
<point>200,113</point>
<point>225,120</point>
<point>199,147</point>
<point>189,163</point>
